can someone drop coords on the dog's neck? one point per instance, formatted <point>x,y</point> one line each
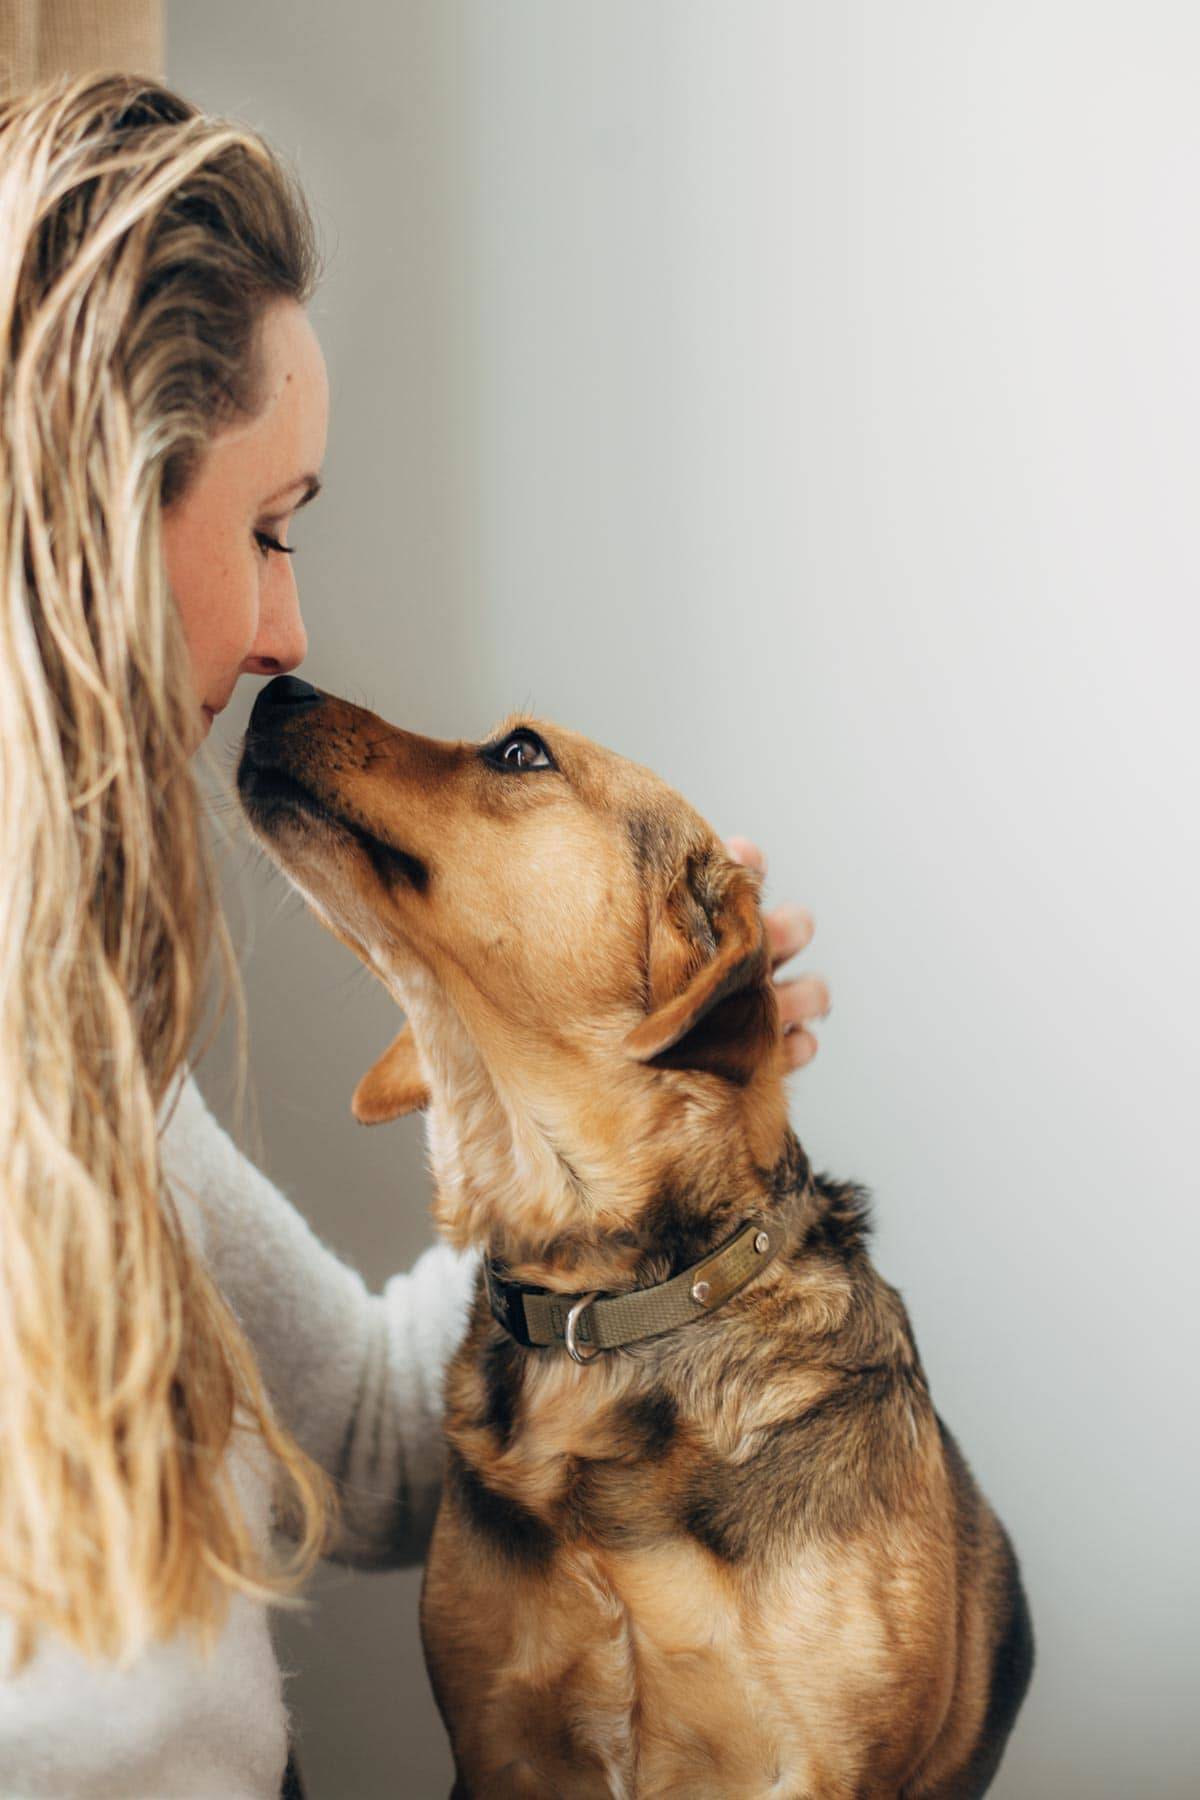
<point>615,1178</point>
<point>694,1211</point>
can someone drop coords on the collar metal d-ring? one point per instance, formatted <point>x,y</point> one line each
<point>569,1337</point>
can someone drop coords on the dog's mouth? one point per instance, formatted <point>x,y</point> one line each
<point>274,798</point>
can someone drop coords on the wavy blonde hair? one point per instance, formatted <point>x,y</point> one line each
<point>141,242</point>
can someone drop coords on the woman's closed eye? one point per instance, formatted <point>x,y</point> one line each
<point>267,543</point>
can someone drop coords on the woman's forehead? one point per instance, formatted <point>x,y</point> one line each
<point>280,449</point>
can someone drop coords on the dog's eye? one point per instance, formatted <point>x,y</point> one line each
<point>519,751</point>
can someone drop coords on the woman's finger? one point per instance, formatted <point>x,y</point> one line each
<point>746,853</point>
<point>802,1000</point>
<point>789,930</point>
<point>799,1048</point>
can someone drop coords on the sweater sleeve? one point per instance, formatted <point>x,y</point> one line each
<point>356,1377</point>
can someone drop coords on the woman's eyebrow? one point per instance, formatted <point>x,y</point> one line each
<point>311,485</point>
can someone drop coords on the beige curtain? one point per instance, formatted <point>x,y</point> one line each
<point>40,38</point>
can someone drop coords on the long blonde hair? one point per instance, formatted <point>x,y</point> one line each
<point>141,242</point>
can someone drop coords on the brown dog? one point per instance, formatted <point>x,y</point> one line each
<point>735,1552</point>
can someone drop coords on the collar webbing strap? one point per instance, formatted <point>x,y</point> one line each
<point>606,1321</point>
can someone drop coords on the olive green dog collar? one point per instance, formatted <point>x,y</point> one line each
<point>585,1324</point>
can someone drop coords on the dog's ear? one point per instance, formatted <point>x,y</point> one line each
<point>394,1085</point>
<point>712,1000</point>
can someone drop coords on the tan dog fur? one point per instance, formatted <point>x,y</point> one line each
<point>744,1557</point>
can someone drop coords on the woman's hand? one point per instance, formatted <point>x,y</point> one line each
<point>803,998</point>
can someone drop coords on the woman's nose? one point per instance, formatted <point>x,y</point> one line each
<point>282,642</point>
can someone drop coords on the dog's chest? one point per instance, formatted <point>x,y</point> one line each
<point>639,1673</point>
<point>616,1673</point>
<point>584,1625</point>
<point>570,1450</point>
<point>603,1637</point>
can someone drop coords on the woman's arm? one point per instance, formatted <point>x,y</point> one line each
<point>355,1376</point>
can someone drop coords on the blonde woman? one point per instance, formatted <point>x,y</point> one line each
<point>186,1374</point>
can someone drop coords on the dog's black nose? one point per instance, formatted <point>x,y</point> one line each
<point>285,691</point>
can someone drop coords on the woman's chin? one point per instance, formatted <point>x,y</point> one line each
<point>204,724</point>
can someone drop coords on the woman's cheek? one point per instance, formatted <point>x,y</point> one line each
<point>239,606</point>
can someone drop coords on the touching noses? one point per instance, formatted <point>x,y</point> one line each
<point>281,642</point>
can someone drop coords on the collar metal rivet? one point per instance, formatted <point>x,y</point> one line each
<point>700,1292</point>
<point>762,1242</point>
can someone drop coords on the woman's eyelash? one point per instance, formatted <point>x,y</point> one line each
<point>267,543</point>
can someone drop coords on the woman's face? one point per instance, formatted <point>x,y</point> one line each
<point>225,539</point>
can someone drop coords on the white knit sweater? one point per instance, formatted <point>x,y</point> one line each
<point>357,1377</point>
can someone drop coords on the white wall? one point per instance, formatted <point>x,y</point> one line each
<point>804,400</point>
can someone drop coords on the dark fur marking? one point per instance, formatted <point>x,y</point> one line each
<point>392,865</point>
<point>1013,1653</point>
<point>841,1221</point>
<point>510,1528</point>
<point>790,1175</point>
<point>693,916</point>
<point>266,788</point>
<point>606,1499</point>
<point>677,1229</point>
<point>652,837</point>
<point>503,1369</point>
<point>702,1520</point>
<point>648,1423</point>
<point>814,1475</point>
<point>1012,1670</point>
<point>1012,1665</point>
